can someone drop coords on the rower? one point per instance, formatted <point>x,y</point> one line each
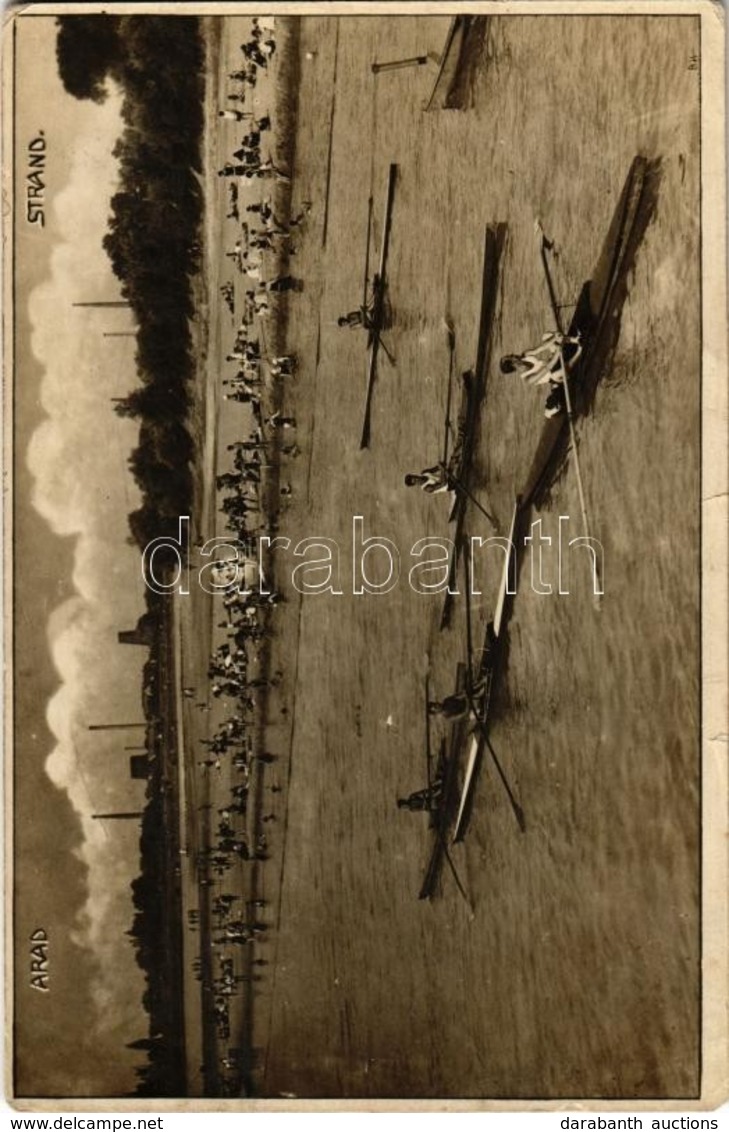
<point>356,319</point>
<point>362,317</point>
<point>421,800</point>
<point>453,707</point>
<point>459,704</point>
<point>432,480</point>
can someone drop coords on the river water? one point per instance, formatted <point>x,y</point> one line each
<point>576,974</point>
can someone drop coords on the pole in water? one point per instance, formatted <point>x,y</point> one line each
<point>104,303</point>
<point>113,726</point>
<point>415,61</point>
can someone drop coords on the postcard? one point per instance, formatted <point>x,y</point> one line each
<point>365,555</point>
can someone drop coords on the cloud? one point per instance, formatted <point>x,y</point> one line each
<point>82,487</point>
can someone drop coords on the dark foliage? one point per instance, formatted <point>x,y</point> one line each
<point>154,225</point>
<point>156,925</point>
<point>152,244</point>
<point>87,50</point>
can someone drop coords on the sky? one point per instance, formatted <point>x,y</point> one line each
<point>77,583</point>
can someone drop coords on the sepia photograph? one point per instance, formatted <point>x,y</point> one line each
<point>365,554</point>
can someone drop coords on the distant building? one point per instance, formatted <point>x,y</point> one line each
<point>138,766</point>
<point>131,637</point>
<point>141,634</point>
<point>117,816</point>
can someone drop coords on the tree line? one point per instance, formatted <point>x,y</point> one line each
<point>152,243</point>
<point>154,227</point>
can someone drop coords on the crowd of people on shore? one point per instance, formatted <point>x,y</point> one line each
<point>247,162</point>
<point>237,923</point>
<point>250,494</point>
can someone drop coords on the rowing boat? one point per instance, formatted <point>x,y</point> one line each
<point>491,657</point>
<point>440,818</point>
<point>460,461</point>
<point>473,394</point>
<point>449,63</point>
<point>377,317</point>
<point>447,91</point>
<point>596,319</point>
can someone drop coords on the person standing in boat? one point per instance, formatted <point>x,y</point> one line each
<point>417,802</point>
<point>548,363</point>
<point>544,364</point>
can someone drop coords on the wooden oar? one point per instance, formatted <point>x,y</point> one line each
<point>378,308</point>
<point>388,353</point>
<point>518,812</point>
<point>456,877</point>
<point>462,488</point>
<point>367,253</point>
<point>469,629</point>
<point>451,353</point>
<point>428,755</point>
<point>544,246</point>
